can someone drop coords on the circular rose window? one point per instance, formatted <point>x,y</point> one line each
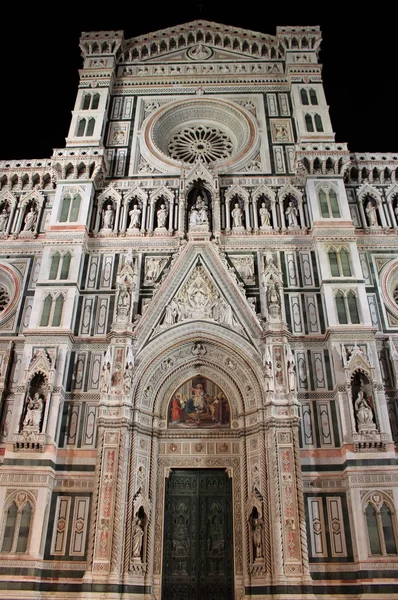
<point>213,131</point>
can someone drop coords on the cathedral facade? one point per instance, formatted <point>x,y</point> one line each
<point>199,333</point>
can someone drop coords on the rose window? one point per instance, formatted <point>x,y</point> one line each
<point>4,299</point>
<point>200,143</point>
<point>395,295</point>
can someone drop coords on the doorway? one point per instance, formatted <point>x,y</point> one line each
<point>198,536</point>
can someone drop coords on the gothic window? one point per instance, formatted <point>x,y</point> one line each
<point>339,261</point>
<point>85,127</point>
<point>318,123</point>
<point>347,308</point>
<point>56,262</point>
<point>81,128</point>
<point>304,96</point>
<point>90,102</point>
<point>17,528</point>
<point>52,311</point>
<point>379,521</point>
<point>313,97</point>
<point>70,207</point>
<point>328,203</point>
<point>308,123</point>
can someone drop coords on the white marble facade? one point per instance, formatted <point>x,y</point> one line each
<point>202,278</point>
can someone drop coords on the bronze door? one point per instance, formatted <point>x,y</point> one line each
<point>198,536</point>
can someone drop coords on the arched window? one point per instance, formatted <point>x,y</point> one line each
<point>17,528</point>
<point>66,200</point>
<point>313,97</point>
<point>318,123</point>
<point>304,96</point>
<point>55,260</point>
<point>52,311</point>
<point>308,123</point>
<point>328,203</point>
<point>74,213</point>
<point>65,266</point>
<point>380,525</point>
<point>81,128</point>
<point>57,315</point>
<point>70,208</point>
<point>95,102</point>
<point>86,102</point>
<point>347,308</point>
<point>91,124</point>
<point>339,261</point>
<point>45,314</point>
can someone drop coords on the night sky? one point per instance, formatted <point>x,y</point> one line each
<point>40,67</point>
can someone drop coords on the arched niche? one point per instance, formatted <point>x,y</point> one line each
<point>199,403</point>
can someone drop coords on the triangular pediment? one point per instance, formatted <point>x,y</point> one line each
<point>200,40</point>
<point>198,288</point>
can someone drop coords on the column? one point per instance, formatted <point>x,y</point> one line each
<point>181,216</point>
<point>391,213</point>
<point>227,215</point>
<point>247,216</point>
<point>282,214</point>
<point>255,213</point>
<point>301,213</point>
<point>125,212</point>
<point>171,217</point>
<point>116,225</point>
<point>274,215</point>
<point>151,217</point>
<point>143,216</point>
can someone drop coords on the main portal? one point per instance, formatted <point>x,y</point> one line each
<point>198,536</point>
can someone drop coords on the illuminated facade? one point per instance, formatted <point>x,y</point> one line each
<point>198,319</point>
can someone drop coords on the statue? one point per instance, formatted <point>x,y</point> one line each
<point>268,370</point>
<point>138,534</point>
<point>364,413</point>
<point>198,213</point>
<point>291,214</point>
<point>171,313</point>
<point>371,214</point>
<point>135,217</point>
<point>105,378</point>
<point>237,215</point>
<point>128,378</point>
<point>291,370</point>
<point>162,215</point>
<point>34,411</point>
<point>4,219</point>
<point>265,216</point>
<point>107,217</point>
<point>30,219</point>
<point>257,534</point>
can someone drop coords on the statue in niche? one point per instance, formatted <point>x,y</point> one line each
<point>237,216</point>
<point>128,378</point>
<point>34,410</point>
<point>265,216</point>
<point>291,370</point>
<point>370,211</point>
<point>138,534</point>
<point>135,217</point>
<point>364,413</point>
<point>291,213</point>
<point>268,371</point>
<point>198,215</point>
<point>162,216</point>
<point>105,378</point>
<point>4,216</point>
<point>272,282</point>
<point>125,285</point>
<point>30,219</point>
<point>257,536</point>
<point>107,217</point>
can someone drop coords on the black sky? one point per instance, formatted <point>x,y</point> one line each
<point>41,61</point>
